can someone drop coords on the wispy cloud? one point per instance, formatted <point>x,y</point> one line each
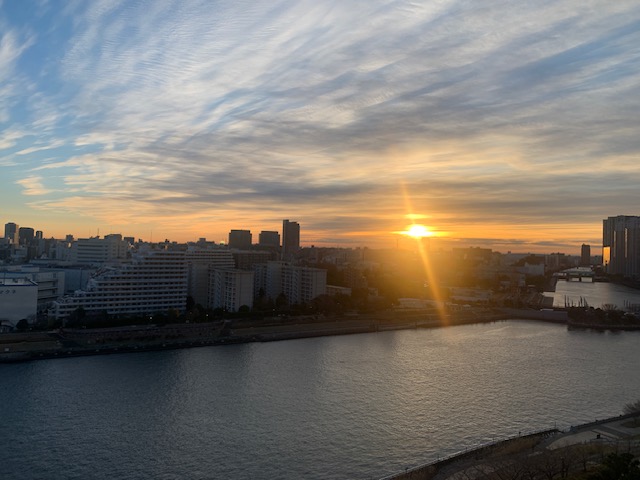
<point>325,110</point>
<point>33,186</point>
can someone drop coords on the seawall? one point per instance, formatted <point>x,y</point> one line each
<point>79,342</point>
<point>534,441</point>
<point>428,471</point>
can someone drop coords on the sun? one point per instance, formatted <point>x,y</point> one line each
<point>418,231</point>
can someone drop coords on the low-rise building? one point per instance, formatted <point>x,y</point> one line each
<point>18,299</point>
<point>51,283</point>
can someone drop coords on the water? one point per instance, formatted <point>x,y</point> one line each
<point>348,407</point>
<point>596,294</point>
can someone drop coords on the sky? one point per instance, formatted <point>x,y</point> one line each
<point>510,125</point>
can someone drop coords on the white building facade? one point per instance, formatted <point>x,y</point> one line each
<point>51,283</point>
<point>18,299</point>
<point>97,250</point>
<point>298,284</point>
<point>154,281</point>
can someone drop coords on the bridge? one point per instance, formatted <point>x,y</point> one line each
<point>571,273</point>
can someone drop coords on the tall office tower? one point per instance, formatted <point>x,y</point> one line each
<point>290,239</point>
<point>240,239</point>
<point>585,255</point>
<point>621,245</point>
<point>26,235</point>
<point>269,239</point>
<point>11,232</point>
<point>153,281</point>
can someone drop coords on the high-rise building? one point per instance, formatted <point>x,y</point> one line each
<point>585,255</point>
<point>26,235</point>
<point>240,239</point>
<point>11,232</point>
<point>269,239</point>
<point>290,239</point>
<point>621,245</point>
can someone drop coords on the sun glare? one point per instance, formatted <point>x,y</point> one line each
<point>418,231</point>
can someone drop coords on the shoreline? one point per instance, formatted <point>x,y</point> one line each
<point>502,452</point>
<point>65,343</point>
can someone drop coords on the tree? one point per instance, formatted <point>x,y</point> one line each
<point>191,303</point>
<point>633,407</point>
<point>282,301</point>
<point>22,325</point>
<point>77,318</point>
<point>616,466</point>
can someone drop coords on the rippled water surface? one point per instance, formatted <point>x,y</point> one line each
<point>595,294</point>
<point>348,407</point>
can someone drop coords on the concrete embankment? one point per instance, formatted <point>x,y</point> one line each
<point>428,471</point>
<point>544,315</point>
<point>593,440</point>
<point>78,342</point>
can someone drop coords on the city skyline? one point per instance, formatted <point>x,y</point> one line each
<point>510,127</point>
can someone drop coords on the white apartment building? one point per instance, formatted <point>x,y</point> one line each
<point>230,289</point>
<point>153,281</point>
<point>97,250</point>
<point>18,299</point>
<point>200,262</point>
<point>303,284</point>
<point>298,284</point>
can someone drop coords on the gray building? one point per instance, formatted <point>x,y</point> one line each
<point>200,262</point>
<point>11,232</point>
<point>240,239</point>
<point>621,245</point>
<point>269,239</point>
<point>290,239</point>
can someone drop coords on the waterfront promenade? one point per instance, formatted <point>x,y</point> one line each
<point>95,341</point>
<point>546,453</point>
<point>76,342</point>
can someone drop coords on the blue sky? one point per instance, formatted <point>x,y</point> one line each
<point>507,124</point>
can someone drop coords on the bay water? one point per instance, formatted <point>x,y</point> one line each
<point>345,407</point>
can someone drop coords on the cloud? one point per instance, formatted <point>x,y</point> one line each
<point>328,110</point>
<point>33,186</point>
<point>10,137</point>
